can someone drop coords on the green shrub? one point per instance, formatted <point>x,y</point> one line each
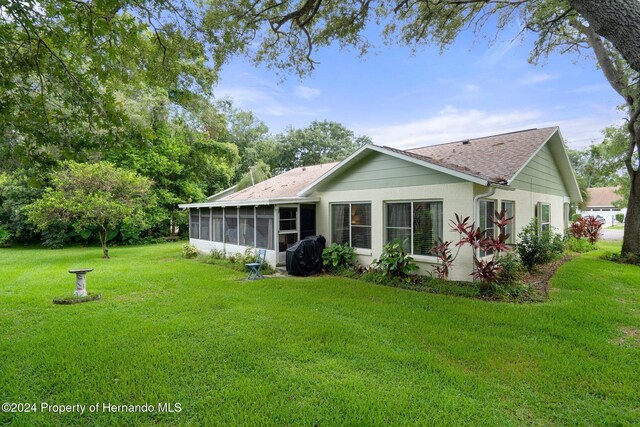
<point>510,269</point>
<point>337,256</point>
<point>189,251</point>
<point>633,259</point>
<point>5,235</point>
<point>536,247</point>
<point>576,217</point>
<point>395,261</point>
<point>574,244</point>
<point>620,217</point>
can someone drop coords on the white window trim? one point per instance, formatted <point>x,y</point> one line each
<point>416,257</point>
<point>540,223</point>
<point>512,238</point>
<point>357,250</point>
<point>495,228</point>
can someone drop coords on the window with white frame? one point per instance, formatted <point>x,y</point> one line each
<point>509,209</point>
<point>417,225</point>
<point>543,213</point>
<point>351,224</point>
<point>485,221</point>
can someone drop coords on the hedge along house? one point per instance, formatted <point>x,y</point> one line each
<point>379,194</point>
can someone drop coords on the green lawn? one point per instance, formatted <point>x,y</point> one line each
<point>306,351</point>
<point>616,227</point>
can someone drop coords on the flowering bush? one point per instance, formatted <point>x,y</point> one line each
<point>486,271</point>
<point>588,227</point>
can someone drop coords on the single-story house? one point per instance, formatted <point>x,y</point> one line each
<point>600,202</point>
<point>379,194</point>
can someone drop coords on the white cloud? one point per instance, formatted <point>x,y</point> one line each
<point>306,92</point>
<point>453,124</point>
<point>590,89</point>
<point>266,99</point>
<point>450,124</point>
<point>470,87</point>
<point>497,53</point>
<point>535,78</point>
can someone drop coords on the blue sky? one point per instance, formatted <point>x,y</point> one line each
<point>404,100</point>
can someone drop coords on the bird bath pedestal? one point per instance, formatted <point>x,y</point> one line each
<point>81,281</point>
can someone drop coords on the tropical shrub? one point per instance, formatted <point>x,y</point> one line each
<point>575,217</point>
<point>395,261</point>
<point>620,217</point>
<point>537,247</point>
<point>189,251</point>
<point>510,270</point>
<point>588,227</point>
<point>486,270</point>
<point>337,256</point>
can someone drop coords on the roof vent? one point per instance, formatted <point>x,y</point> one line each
<point>465,142</point>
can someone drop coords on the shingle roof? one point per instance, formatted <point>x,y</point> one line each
<point>602,197</point>
<point>287,184</point>
<point>495,158</point>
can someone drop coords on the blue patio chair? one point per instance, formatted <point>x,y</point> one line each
<point>255,267</point>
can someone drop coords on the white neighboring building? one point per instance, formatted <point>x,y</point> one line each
<point>600,203</point>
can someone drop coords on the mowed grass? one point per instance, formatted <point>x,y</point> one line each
<point>311,351</point>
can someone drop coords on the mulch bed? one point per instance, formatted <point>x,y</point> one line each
<point>539,278</point>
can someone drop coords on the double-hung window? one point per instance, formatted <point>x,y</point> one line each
<point>351,224</point>
<point>485,222</point>
<point>543,213</point>
<point>509,209</point>
<point>416,225</point>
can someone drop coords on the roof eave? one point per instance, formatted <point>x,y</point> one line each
<point>255,202</point>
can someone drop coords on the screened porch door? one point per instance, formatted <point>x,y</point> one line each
<point>288,230</point>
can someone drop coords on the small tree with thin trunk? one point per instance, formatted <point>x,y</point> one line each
<point>91,196</point>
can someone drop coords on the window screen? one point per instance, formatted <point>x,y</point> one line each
<point>216,225</point>
<point>361,225</point>
<point>247,228</point>
<point>231,225</point>
<point>427,226</point>
<point>205,215</point>
<point>340,223</point>
<point>194,223</point>
<point>416,225</point>
<point>399,224</point>
<point>544,216</point>
<point>508,207</point>
<point>485,222</point>
<point>264,227</point>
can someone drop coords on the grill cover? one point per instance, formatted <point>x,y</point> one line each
<point>304,257</point>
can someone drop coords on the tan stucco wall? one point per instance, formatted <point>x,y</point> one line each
<point>456,198</point>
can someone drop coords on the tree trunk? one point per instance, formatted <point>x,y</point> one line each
<point>103,241</point>
<point>617,21</point>
<point>631,240</point>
